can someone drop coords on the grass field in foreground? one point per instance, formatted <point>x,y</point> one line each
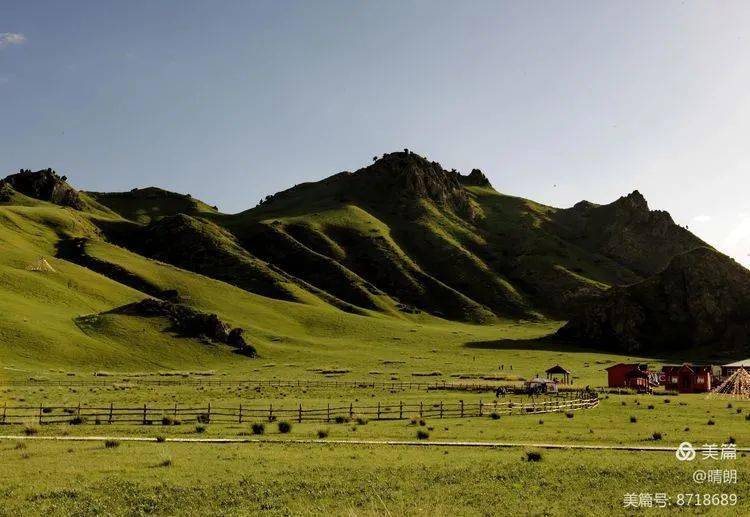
<point>167,479</point>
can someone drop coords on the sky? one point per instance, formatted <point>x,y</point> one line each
<point>557,101</point>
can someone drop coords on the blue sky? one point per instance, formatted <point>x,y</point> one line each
<point>232,100</point>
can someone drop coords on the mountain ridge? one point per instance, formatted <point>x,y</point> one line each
<point>399,237</point>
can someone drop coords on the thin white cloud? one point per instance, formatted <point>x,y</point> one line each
<point>702,218</point>
<point>11,38</point>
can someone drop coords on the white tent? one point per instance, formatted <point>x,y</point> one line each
<point>41,265</point>
<point>737,385</point>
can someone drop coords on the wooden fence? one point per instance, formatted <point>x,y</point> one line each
<point>168,415</point>
<point>275,383</point>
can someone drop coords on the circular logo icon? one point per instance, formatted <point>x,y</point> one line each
<point>685,452</point>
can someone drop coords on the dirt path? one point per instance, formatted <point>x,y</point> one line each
<point>399,443</point>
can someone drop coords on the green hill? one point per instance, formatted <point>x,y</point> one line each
<point>400,251</point>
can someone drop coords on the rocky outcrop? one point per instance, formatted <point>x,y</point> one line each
<point>475,178</point>
<point>46,185</point>
<point>701,299</point>
<point>190,322</point>
<point>412,177</point>
<point>627,231</point>
<point>6,192</point>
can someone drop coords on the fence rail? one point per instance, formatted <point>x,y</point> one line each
<point>168,415</point>
<point>274,383</point>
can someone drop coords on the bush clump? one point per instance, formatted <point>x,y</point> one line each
<point>533,456</point>
<point>258,428</point>
<point>656,436</point>
<point>284,427</point>
<point>495,416</point>
<point>77,420</point>
<point>111,444</point>
<point>30,430</point>
<point>341,419</point>
<point>322,433</point>
<point>422,435</point>
<point>569,414</point>
<point>633,419</point>
<point>361,420</point>
<point>200,429</point>
<point>710,422</point>
<point>203,418</point>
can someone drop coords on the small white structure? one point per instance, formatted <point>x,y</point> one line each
<point>541,385</point>
<point>41,266</point>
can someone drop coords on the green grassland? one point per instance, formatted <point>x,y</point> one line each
<point>132,479</point>
<point>324,319</point>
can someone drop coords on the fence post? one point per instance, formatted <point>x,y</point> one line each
<point>480,407</point>
<point>78,412</point>
<point>328,413</point>
<point>420,409</point>
<point>209,412</point>
<point>110,412</point>
<point>270,412</point>
<point>400,410</point>
<point>351,410</point>
<point>462,408</point>
<point>175,409</point>
<point>144,414</point>
<point>5,410</point>
<point>378,411</point>
<point>240,413</point>
<point>441,409</point>
<point>40,414</point>
<point>299,415</point>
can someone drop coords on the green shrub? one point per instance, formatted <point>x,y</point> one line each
<point>495,416</point>
<point>284,427</point>
<point>710,422</point>
<point>656,436</point>
<point>258,428</point>
<point>633,419</point>
<point>570,414</point>
<point>533,456</point>
<point>160,439</point>
<point>361,420</point>
<point>322,433</point>
<point>30,430</point>
<point>200,428</point>
<point>77,420</point>
<point>111,444</point>
<point>422,435</point>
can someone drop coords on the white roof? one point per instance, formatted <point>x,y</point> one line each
<point>745,363</point>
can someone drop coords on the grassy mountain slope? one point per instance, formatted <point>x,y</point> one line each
<point>149,204</point>
<point>702,299</point>
<point>364,265</point>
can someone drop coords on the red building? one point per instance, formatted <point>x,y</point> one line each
<point>626,375</point>
<point>688,378</point>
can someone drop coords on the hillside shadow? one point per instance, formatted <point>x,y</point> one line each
<point>550,344</point>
